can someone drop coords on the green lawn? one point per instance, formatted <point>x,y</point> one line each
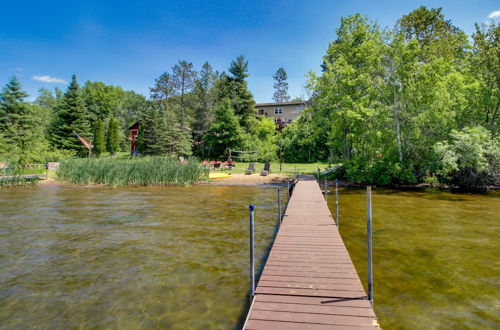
<point>286,168</point>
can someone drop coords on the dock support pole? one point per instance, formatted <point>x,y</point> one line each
<point>369,236</point>
<point>318,176</point>
<point>337,203</point>
<point>326,190</point>
<point>279,206</point>
<point>252,268</point>
<point>287,191</point>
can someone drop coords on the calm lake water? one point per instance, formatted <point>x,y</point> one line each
<point>436,256</point>
<point>177,257</point>
<point>168,257</point>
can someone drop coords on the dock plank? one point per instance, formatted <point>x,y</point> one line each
<point>309,280</point>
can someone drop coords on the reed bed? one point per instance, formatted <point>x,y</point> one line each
<point>145,171</point>
<point>16,180</point>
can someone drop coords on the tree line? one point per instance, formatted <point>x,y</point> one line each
<point>415,103</point>
<point>44,130</point>
<point>203,113</point>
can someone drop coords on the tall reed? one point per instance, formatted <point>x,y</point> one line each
<point>13,174</point>
<point>160,170</point>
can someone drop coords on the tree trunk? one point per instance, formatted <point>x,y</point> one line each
<point>398,127</point>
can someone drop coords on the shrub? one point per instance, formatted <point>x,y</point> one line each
<point>470,158</point>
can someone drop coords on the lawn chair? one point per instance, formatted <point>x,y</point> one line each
<point>266,170</point>
<point>250,169</point>
<point>216,165</point>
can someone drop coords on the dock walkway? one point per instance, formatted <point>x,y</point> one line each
<point>309,281</point>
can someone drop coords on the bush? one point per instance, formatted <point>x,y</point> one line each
<point>471,158</point>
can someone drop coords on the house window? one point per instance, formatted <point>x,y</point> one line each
<point>278,111</point>
<point>261,111</point>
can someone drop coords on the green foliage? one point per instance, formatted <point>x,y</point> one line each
<point>261,138</point>
<point>386,98</point>
<point>280,86</point>
<point>72,116</point>
<point>470,158</point>
<point>435,36</point>
<point>178,138</point>
<point>134,171</point>
<point>225,132</point>
<point>236,89</point>
<point>239,68</point>
<point>22,125</point>
<point>112,141</point>
<point>141,142</point>
<point>99,138</point>
<point>162,133</point>
<point>486,68</point>
<point>204,101</point>
<point>101,100</point>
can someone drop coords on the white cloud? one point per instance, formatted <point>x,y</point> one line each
<point>494,14</point>
<point>49,79</point>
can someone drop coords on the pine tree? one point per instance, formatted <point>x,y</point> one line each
<point>153,139</point>
<point>183,78</point>
<point>236,89</point>
<point>112,142</point>
<point>99,138</point>
<point>13,111</point>
<point>140,139</point>
<point>239,68</point>
<point>225,132</point>
<point>21,125</point>
<point>204,92</point>
<point>281,86</point>
<point>72,116</point>
<point>178,139</point>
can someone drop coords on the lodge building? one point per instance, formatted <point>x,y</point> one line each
<point>283,113</point>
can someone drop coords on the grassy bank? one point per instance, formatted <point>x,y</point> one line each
<point>286,168</point>
<point>133,171</point>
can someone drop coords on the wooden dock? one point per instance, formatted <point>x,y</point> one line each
<point>309,280</point>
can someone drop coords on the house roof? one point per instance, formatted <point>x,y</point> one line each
<point>136,123</point>
<point>279,103</point>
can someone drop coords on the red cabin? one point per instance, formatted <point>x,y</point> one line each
<point>134,133</point>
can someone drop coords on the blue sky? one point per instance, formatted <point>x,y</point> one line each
<point>130,43</point>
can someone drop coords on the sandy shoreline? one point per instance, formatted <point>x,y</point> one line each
<point>252,179</point>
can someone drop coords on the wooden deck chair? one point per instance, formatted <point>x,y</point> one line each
<point>250,169</point>
<point>267,169</point>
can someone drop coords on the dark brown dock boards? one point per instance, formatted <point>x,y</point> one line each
<point>309,281</point>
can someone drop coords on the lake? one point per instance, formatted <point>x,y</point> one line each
<point>435,256</point>
<point>156,257</point>
<point>177,257</point>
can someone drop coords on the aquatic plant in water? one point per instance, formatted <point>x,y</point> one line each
<point>145,171</point>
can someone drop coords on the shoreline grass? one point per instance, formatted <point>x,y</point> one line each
<point>286,168</point>
<point>145,171</point>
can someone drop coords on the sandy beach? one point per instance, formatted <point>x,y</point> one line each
<point>252,179</point>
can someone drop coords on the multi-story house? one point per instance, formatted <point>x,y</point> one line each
<point>283,113</point>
